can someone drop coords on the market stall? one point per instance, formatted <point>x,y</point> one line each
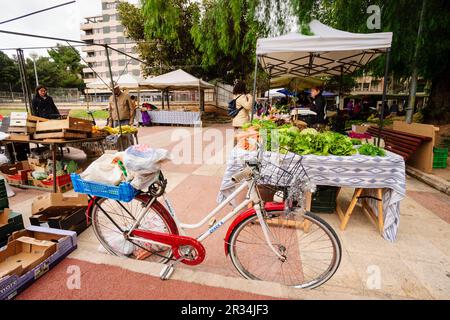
<point>42,168</point>
<point>329,159</point>
<point>173,81</point>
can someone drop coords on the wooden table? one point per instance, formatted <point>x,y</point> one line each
<point>54,145</point>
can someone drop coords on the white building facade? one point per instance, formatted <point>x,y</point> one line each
<point>107,29</point>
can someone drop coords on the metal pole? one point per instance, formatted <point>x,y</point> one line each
<point>24,80</point>
<point>383,100</point>
<point>112,88</point>
<point>35,74</point>
<point>254,87</point>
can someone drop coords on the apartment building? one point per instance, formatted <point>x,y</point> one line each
<point>106,29</point>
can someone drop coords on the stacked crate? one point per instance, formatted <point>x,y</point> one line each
<point>22,125</point>
<point>9,221</point>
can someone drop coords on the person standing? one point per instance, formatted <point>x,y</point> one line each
<point>125,107</point>
<point>318,106</point>
<point>244,103</point>
<point>43,105</point>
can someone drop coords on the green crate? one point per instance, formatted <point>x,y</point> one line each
<point>324,199</point>
<point>440,157</point>
<point>15,223</point>
<point>4,202</point>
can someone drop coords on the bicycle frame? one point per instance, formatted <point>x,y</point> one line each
<point>252,196</point>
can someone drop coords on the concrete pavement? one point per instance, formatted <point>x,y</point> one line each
<point>416,266</point>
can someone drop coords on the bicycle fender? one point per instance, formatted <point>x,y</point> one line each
<point>269,206</point>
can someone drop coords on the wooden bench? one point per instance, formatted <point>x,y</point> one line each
<point>401,143</point>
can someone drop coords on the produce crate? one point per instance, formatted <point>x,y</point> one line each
<point>16,173</point>
<point>324,199</point>
<point>69,123</point>
<point>440,157</point>
<point>15,222</point>
<point>123,192</point>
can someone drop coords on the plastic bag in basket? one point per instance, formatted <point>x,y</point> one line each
<point>104,170</point>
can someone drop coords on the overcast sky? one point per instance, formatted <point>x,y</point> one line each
<point>63,22</point>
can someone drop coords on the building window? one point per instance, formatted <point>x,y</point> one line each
<point>106,18</point>
<point>122,62</point>
<point>106,29</point>
<point>366,86</point>
<point>107,41</point>
<point>136,73</point>
<point>120,40</point>
<point>119,28</point>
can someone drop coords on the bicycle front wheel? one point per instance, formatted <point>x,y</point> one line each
<point>309,248</point>
<point>115,219</point>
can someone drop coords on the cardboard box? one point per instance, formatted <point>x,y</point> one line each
<point>4,217</point>
<point>57,204</point>
<point>66,242</point>
<point>62,185</point>
<point>359,129</point>
<point>23,254</point>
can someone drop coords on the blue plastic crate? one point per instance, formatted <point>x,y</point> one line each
<point>123,192</point>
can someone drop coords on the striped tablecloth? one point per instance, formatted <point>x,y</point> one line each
<point>355,171</point>
<point>171,117</point>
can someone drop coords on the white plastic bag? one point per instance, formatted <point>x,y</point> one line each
<point>119,244</point>
<point>104,170</point>
<point>143,164</point>
<point>144,159</point>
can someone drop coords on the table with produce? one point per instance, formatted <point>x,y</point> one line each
<point>329,159</point>
<point>42,168</point>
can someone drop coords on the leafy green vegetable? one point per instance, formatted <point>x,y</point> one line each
<point>369,149</point>
<point>309,131</point>
<point>356,142</point>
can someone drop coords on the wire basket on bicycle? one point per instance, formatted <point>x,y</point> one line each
<point>282,172</point>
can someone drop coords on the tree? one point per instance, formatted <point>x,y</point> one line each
<point>226,35</point>
<point>402,18</point>
<point>9,75</point>
<point>162,31</point>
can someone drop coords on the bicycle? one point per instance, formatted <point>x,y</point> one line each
<point>264,242</point>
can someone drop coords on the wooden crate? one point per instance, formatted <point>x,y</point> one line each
<point>21,123</point>
<point>74,124</point>
<point>22,129</point>
<point>61,134</point>
<point>20,136</point>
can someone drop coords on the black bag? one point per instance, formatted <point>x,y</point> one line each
<point>232,108</point>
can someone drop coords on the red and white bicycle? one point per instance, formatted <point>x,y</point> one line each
<point>266,242</point>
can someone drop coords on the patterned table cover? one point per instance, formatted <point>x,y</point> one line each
<point>357,171</point>
<point>171,117</point>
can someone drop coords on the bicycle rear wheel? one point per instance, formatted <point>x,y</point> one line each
<point>114,240</point>
<point>310,248</point>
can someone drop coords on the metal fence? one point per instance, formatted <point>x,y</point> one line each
<point>58,95</point>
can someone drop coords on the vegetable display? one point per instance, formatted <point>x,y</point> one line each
<point>369,149</point>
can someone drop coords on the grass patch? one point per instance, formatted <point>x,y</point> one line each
<point>98,114</point>
<point>7,112</point>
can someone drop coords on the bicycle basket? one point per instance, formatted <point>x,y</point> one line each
<point>282,171</point>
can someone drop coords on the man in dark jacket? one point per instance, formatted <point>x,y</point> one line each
<point>318,106</point>
<point>43,105</point>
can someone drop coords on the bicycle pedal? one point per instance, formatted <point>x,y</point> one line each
<point>166,272</point>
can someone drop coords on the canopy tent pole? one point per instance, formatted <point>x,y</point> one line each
<point>167,97</point>
<point>162,99</point>
<point>254,87</point>
<point>24,81</point>
<point>383,100</point>
<point>114,95</point>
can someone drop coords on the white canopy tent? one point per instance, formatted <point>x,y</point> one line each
<point>125,81</point>
<point>274,93</point>
<point>327,52</point>
<point>177,80</point>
